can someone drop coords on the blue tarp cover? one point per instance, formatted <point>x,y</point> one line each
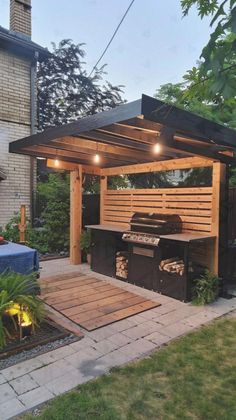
<point>18,258</point>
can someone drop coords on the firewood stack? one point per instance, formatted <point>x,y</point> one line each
<point>172,265</point>
<point>122,264</point>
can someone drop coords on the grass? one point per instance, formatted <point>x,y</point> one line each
<point>192,378</point>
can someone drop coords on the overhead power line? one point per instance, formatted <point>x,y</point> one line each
<point>113,36</point>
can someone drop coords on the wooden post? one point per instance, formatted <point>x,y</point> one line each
<point>22,224</point>
<point>218,187</point>
<point>75,215</point>
<point>103,188</point>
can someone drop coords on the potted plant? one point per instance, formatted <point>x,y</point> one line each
<point>85,241</point>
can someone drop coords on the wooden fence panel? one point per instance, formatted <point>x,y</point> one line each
<point>193,205</point>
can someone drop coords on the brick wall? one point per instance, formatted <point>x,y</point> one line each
<point>14,124</point>
<point>16,189</point>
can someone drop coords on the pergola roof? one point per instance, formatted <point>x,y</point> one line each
<point>125,135</point>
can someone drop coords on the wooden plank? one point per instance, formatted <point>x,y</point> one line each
<point>77,309</point>
<point>180,190</point>
<point>77,281</point>
<point>201,200</point>
<point>70,166</point>
<point>116,316</point>
<point>68,287</point>
<point>167,165</point>
<point>86,144</point>
<point>60,277</point>
<point>103,188</point>
<point>64,295</point>
<point>89,315</point>
<point>93,297</point>
<point>75,215</point>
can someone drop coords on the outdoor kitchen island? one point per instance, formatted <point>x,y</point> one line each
<point>168,267</point>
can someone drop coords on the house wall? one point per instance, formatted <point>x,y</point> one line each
<point>14,124</point>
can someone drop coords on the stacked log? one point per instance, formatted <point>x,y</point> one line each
<point>122,264</point>
<point>172,265</point>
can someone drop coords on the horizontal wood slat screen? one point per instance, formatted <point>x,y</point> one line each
<point>193,205</point>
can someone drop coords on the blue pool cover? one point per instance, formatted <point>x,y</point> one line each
<point>18,258</point>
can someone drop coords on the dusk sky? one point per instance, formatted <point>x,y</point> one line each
<point>154,45</point>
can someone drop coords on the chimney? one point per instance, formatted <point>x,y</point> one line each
<point>20,17</point>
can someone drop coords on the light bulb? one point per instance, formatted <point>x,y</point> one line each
<point>56,162</point>
<point>157,148</point>
<point>96,158</point>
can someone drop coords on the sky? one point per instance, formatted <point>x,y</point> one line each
<point>154,45</point>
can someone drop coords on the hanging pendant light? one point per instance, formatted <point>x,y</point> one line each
<point>157,148</point>
<point>56,161</point>
<point>96,157</point>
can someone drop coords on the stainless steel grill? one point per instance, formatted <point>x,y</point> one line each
<point>147,227</point>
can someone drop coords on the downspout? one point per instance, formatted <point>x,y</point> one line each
<point>33,112</point>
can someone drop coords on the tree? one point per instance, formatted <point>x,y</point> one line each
<point>219,55</point>
<point>65,90</point>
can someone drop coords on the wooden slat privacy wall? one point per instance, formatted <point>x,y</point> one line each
<point>193,205</point>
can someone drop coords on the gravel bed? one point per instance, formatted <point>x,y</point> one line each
<point>36,351</point>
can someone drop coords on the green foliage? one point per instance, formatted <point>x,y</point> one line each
<point>206,288</point>
<point>219,59</point>
<point>19,289</point>
<point>85,241</point>
<point>34,238</point>
<point>66,92</point>
<point>54,195</point>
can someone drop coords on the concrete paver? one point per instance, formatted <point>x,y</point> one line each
<point>23,384</point>
<point>157,338</point>
<point>21,369</point>
<point>67,382</point>
<point>2,379</point>
<point>82,357</point>
<point>36,381</point>
<point>48,373</point>
<point>11,408</point>
<point>119,339</point>
<point>6,393</point>
<point>35,397</point>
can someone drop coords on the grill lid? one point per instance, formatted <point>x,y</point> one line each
<point>156,223</point>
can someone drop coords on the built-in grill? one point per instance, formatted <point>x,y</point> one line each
<point>147,227</point>
<point>156,262</point>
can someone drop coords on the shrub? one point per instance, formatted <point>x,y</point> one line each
<point>206,288</point>
<point>18,290</point>
<point>85,241</point>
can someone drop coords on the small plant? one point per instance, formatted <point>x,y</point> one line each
<point>17,296</point>
<point>206,288</point>
<point>85,241</point>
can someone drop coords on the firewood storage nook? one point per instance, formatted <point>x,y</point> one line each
<point>161,238</point>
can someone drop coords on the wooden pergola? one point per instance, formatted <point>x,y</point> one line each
<point>124,138</point>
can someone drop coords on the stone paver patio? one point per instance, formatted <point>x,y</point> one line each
<point>33,382</point>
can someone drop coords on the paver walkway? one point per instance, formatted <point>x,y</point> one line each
<point>35,381</point>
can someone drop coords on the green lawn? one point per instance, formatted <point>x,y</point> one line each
<point>192,378</point>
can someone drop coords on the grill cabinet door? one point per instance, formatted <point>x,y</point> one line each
<point>141,266</point>
<point>103,250</point>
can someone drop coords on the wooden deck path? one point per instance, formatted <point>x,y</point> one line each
<point>90,302</point>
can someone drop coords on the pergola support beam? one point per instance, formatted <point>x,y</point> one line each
<point>75,215</point>
<point>70,166</point>
<point>166,165</point>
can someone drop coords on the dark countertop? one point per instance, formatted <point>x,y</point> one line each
<point>182,237</point>
<point>111,228</point>
<point>188,237</point>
